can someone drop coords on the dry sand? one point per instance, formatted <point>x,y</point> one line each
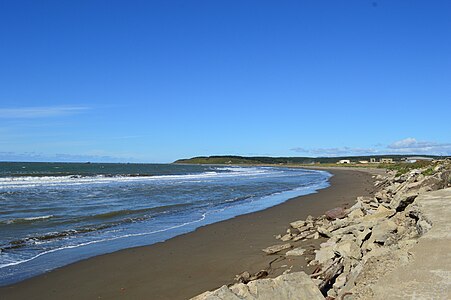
<point>191,263</point>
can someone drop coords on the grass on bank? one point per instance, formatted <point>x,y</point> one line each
<point>403,168</point>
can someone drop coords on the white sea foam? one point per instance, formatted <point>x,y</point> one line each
<point>48,181</point>
<point>14,263</point>
<point>27,220</point>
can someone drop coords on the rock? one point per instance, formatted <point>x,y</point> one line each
<point>295,252</point>
<point>325,253</point>
<point>296,285</point>
<point>392,188</point>
<point>309,219</point>
<point>324,232</point>
<point>339,224</point>
<point>277,248</point>
<point>380,213</point>
<point>304,228</point>
<point>297,224</point>
<point>365,199</point>
<point>313,235</point>
<point>286,237</point>
<point>362,236</point>
<point>401,201</point>
<point>423,226</point>
<point>336,213</point>
<point>348,249</point>
<point>355,214</point>
<point>381,196</point>
<point>243,277</point>
<point>358,205</point>
<point>374,205</point>
<point>347,237</point>
<point>361,226</point>
<point>351,279</point>
<point>340,281</point>
<point>302,236</point>
<point>382,231</point>
<point>219,294</point>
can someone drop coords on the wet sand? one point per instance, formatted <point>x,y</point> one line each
<point>192,263</point>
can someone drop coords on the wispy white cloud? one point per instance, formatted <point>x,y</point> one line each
<point>60,157</point>
<point>411,145</point>
<point>40,112</point>
<point>404,146</point>
<point>336,151</point>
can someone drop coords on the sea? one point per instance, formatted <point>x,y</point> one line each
<point>54,214</point>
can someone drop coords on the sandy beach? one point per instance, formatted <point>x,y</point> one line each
<point>189,264</point>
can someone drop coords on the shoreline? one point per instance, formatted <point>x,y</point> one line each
<point>191,263</point>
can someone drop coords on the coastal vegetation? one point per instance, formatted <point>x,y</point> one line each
<point>266,160</point>
<point>403,168</point>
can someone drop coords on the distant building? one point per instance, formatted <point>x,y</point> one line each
<point>381,161</point>
<point>386,160</point>
<point>363,161</point>
<point>414,159</point>
<point>344,161</point>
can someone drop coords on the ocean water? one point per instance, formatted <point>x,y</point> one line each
<point>53,214</point>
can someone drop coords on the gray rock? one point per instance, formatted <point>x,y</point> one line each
<point>357,205</point>
<point>323,231</point>
<point>277,248</point>
<point>380,213</point>
<point>355,214</point>
<point>325,253</point>
<point>361,236</point>
<point>348,249</point>
<point>295,252</point>
<point>339,283</point>
<point>286,237</point>
<point>365,199</point>
<point>285,287</point>
<point>381,196</point>
<point>297,224</point>
<point>401,201</point>
<point>382,231</point>
<point>339,224</point>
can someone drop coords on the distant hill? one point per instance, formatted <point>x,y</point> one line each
<point>236,160</point>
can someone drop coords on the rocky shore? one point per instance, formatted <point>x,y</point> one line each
<point>359,244</point>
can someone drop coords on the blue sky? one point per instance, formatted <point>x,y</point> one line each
<point>153,81</point>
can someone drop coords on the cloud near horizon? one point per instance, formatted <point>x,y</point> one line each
<point>60,157</point>
<point>412,145</point>
<point>404,146</point>
<point>336,151</point>
<point>40,112</point>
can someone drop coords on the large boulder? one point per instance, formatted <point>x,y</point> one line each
<point>382,231</point>
<point>285,287</point>
<point>402,200</point>
<point>336,213</point>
